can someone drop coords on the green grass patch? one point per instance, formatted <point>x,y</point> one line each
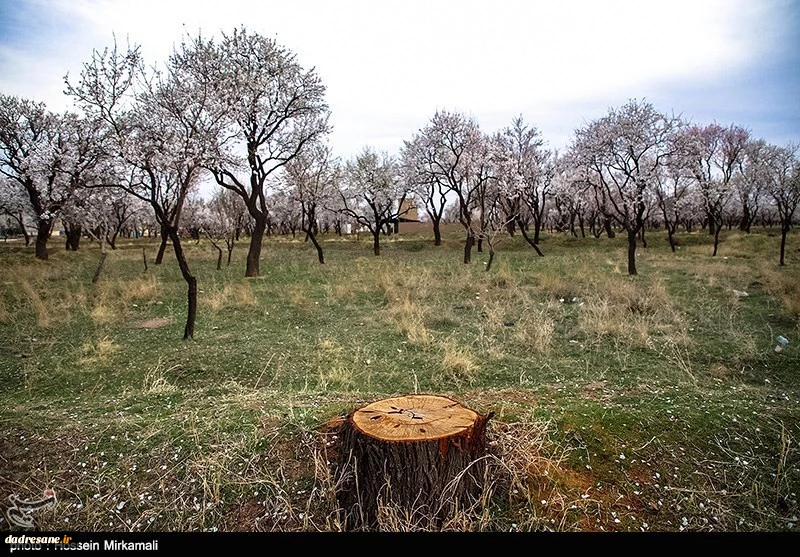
<point>649,403</point>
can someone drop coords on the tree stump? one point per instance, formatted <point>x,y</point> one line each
<point>411,460</point>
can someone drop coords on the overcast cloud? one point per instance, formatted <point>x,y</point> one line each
<point>389,65</point>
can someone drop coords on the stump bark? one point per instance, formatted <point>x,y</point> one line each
<point>410,462</point>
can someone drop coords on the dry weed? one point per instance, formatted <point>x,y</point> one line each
<point>98,353</point>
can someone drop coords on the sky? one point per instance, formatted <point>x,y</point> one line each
<point>389,65</point>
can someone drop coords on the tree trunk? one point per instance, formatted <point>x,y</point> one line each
<point>191,313</point>
<point>25,235</point>
<point>376,245</point>
<point>480,245</point>
<point>670,237</point>
<point>744,224</point>
<point>511,228</point>
<point>313,237</point>
<point>219,257</point>
<point>608,228</point>
<point>42,235</point>
<point>229,245</point>
<point>716,232</point>
<point>416,458</point>
<point>468,247</point>
<point>162,248</point>
<point>784,231</point>
<point>73,233</point>
<point>437,233</point>
<point>532,243</point>
<point>254,252</point>
<point>100,265</point>
<point>632,252</point>
<point>491,258</point>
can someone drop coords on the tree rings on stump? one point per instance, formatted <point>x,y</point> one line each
<point>414,459</point>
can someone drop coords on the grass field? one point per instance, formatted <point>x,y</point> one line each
<point>647,403</point>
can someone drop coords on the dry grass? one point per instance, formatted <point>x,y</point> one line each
<point>534,330</point>
<point>104,314</point>
<point>784,284</point>
<point>336,368</point>
<point>53,298</point>
<point>139,288</point>
<point>43,312</point>
<point>155,381</point>
<point>632,312</point>
<point>458,366</point>
<point>408,315</point>
<point>299,298</point>
<point>340,292</point>
<point>557,286</point>
<point>235,295</point>
<point>114,298</point>
<point>4,313</point>
<point>98,353</point>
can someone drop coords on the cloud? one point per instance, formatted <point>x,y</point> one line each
<point>389,64</point>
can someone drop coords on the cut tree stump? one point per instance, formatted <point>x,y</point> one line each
<point>411,461</point>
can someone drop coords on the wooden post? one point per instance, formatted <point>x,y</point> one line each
<point>414,458</point>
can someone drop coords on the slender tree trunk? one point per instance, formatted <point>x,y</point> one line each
<point>254,252</point>
<point>531,242</point>
<point>219,257</point>
<point>716,232</point>
<point>437,233</point>
<point>632,251</point>
<point>163,246</point>
<point>511,228</point>
<point>468,247</point>
<point>641,233</point>
<point>24,231</point>
<point>376,246</point>
<point>42,235</point>
<point>144,259</point>
<point>608,228</point>
<point>491,258</point>
<point>216,246</point>
<point>313,237</point>
<point>103,254</point>
<point>100,265</point>
<point>229,243</point>
<point>191,281</point>
<point>784,231</point>
<point>73,236</point>
<point>744,223</point>
<point>670,237</point>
